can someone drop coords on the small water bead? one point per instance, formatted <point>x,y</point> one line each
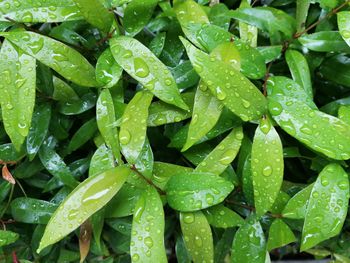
<point>135,257</point>
<point>141,68</point>
<point>267,171</point>
<point>124,136</point>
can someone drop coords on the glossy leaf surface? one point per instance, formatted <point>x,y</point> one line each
<point>222,80</point>
<point>17,92</point>
<point>267,174</point>
<point>195,191</point>
<point>343,24</point>
<point>327,207</point>
<point>86,199</point>
<point>146,68</point>
<point>279,235</point>
<point>197,235</point>
<point>66,61</point>
<point>147,235</point>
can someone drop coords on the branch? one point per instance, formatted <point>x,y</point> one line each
<point>148,181</point>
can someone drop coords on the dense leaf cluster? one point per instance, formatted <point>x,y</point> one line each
<point>163,131</point>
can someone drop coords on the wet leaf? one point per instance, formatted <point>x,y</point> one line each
<point>95,13</point>
<point>63,59</point>
<point>7,237</point>
<point>105,117</point>
<point>146,68</point>
<point>17,92</point>
<point>132,133</point>
<point>304,123</point>
<point>85,239</point>
<point>137,14</point>
<point>147,234</point>
<point>325,41</point>
<point>6,175</point>
<point>244,100</point>
<point>108,71</point>
<point>224,153</point>
<point>343,24</point>
<point>267,174</point>
<point>191,191</point>
<point>32,211</point>
<point>279,235</point>
<point>248,33</point>
<point>300,70</point>
<point>87,198</point>
<point>249,243</point>
<point>301,14</point>
<point>63,92</point>
<point>327,206</point>
<point>197,236</point>
<point>46,11</point>
<point>55,165</point>
<point>222,217</point>
<point>82,135</point>
<point>296,206</point>
<point>39,128</point>
<point>336,69</point>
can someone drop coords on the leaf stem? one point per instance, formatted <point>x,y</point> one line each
<point>331,13</point>
<point>148,181</point>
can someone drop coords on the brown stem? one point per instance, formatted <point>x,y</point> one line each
<point>109,36</point>
<point>331,13</point>
<point>267,75</point>
<point>148,181</point>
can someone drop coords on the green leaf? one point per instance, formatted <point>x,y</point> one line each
<point>224,153</point>
<point>17,92</point>
<point>304,123</point>
<point>63,59</point>
<point>248,33</point>
<point>279,235</point>
<point>327,206</point>
<point>147,235</point>
<point>301,14</point>
<point>63,92</point>
<point>296,206</point>
<point>278,85</point>
<point>197,236</point>
<point>157,44</point>
<point>250,103</point>
<point>300,70</point>
<point>123,203</point>
<point>105,117</point>
<point>137,14</point>
<point>55,165</point>
<point>32,211</point>
<point>82,135</point>
<point>108,71</point>
<point>191,191</point>
<point>161,113</point>
<point>189,12</point>
<point>268,19</point>
<point>39,128</point>
<point>144,162</point>
<point>336,69</point>
<point>270,53</point>
<point>7,237</point>
<point>249,243</point>
<point>95,13</point>
<point>344,114</point>
<point>210,36</point>
<point>325,41</point>
<point>222,217</point>
<point>132,133</point>
<point>343,24</point>
<point>267,172</point>
<point>147,69</point>
<point>207,108</point>
<point>162,172</point>
<point>102,160</point>
<point>44,11</point>
<point>90,196</point>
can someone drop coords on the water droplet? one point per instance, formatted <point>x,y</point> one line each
<point>135,257</point>
<point>168,82</point>
<point>227,157</point>
<point>246,104</point>
<point>127,54</point>
<point>343,185</point>
<point>189,218</point>
<point>209,198</point>
<point>198,241</point>
<point>124,136</point>
<point>36,46</point>
<point>324,181</point>
<point>148,242</point>
<point>267,171</point>
<point>141,68</point>
<point>220,94</point>
<point>275,108</point>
